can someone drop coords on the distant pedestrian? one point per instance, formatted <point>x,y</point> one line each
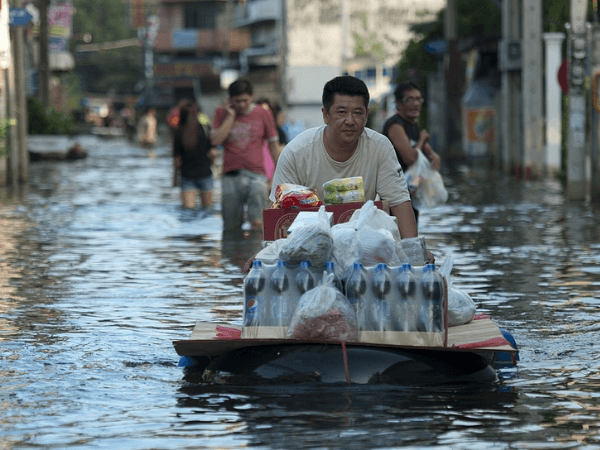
<point>193,155</point>
<point>242,128</point>
<point>147,129</point>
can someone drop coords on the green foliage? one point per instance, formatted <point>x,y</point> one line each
<point>367,43</point>
<point>115,70</point>
<point>105,20</point>
<point>47,122</point>
<point>474,17</point>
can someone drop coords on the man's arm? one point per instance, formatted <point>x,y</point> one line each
<point>432,156</point>
<point>423,144</point>
<point>396,134</point>
<point>274,150</point>
<point>407,225</point>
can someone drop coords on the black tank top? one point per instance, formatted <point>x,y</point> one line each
<point>412,131</point>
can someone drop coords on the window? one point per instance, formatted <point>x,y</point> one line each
<point>200,15</point>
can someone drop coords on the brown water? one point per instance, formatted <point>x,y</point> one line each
<point>100,270</point>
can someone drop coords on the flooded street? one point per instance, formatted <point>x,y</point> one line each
<point>101,269</point>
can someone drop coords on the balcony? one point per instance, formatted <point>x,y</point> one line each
<point>257,11</point>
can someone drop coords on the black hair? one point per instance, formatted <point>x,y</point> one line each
<point>344,85</point>
<point>184,112</point>
<point>239,87</point>
<point>403,87</point>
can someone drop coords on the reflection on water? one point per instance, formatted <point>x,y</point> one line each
<point>100,270</point>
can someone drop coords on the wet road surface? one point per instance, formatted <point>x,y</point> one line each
<point>100,270</point>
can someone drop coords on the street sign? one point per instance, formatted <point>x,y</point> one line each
<point>19,17</point>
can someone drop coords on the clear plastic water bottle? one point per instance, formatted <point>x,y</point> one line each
<point>304,280</point>
<point>254,286</point>
<point>356,289</point>
<point>281,306</point>
<point>330,268</point>
<point>405,310</point>
<point>432,288</point>
<point>381,285</point>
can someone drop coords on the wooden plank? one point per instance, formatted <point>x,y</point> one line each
<point>471,336</point>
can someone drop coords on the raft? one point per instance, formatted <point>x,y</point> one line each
<point>472,352</point>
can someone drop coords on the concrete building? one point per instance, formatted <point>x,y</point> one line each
<point>313,41</point>
<point>287,48</point>
<point>193,45</point>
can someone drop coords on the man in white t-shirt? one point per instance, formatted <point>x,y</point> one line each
<point>342,148</point>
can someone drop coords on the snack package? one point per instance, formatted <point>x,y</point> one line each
<point>343,185</point>
<point>336,198</point>
<point>295,196</point>
<point>324,314</point>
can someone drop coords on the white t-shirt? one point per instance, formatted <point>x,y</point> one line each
<point>305,161</point>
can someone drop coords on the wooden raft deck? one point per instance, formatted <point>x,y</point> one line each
<point>209,339</point>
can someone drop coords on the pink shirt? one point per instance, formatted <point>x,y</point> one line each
<point>243,148</point>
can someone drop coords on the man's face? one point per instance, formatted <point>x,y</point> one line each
<point>410,105</point>
<point>347,117</point>
<point>241,103</point>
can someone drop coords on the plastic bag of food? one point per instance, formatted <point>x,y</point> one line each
<point>461,307</point>
<point>324,314</point>
<point>344,185</point>
<point>380,220</point>
<point>311,241</point>
<point>426,185</point>
<point>295,196</point>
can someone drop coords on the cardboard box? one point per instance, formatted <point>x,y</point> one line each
<point>277,221</point>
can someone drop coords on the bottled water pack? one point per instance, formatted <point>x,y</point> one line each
<point>391,303</point>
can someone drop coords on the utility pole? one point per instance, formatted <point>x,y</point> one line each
<point>510,64</point>
<point>553,55</point>
<point>44,66</point>
<point>533,148</point>
<point>18,40</point>
<point>595,76</point>
<point>453,79</point>
<point>577,44</point>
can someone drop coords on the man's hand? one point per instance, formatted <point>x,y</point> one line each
<point>430,257</point>
<point>248,264</point>
<point>229,108</point>
<point>212,154</point>
<point>423,139</point>
<point>434,160</point>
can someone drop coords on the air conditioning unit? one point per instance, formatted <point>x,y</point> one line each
<point>509,54</point>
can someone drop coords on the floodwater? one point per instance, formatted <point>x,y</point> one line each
<point>100,270</point>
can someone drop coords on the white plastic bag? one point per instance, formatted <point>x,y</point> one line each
<point>461,307</point>
<point>310,242</point>
<point>270,254</point>
<point>324,314</point>
<point>380,220</point>
<point>426,185</point>
<point>355,240</point>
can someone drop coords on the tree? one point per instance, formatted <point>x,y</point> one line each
<point>111,70</point>
<point>476,18</point>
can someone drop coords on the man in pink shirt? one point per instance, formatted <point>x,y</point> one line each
<point>242,128</point>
